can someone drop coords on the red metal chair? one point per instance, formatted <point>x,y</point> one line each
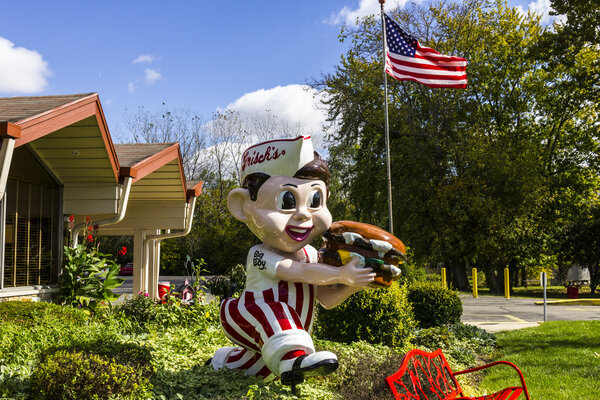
<point>427,376</point>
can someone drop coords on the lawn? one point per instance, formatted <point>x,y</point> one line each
<point>560,360</point>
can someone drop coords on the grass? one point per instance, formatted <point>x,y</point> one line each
<point>560,360</point>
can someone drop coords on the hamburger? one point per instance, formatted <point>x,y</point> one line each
<point>376,248</point>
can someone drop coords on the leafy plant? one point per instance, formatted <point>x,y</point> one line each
<point>143,311</point>
<point>434,305</point>
<point>376,316</point>
<point>88,278</point>
<point>29,313</point>
<point>80,375</point>
<point>229,285</point>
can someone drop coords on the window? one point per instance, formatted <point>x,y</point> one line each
<point>30,233</point>
<point>31,223</point>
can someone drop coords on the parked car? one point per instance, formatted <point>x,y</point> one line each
<point>126,269</point>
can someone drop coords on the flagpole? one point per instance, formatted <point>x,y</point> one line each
<point>387,125</point>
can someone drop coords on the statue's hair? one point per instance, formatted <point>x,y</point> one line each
<point>317,169</point>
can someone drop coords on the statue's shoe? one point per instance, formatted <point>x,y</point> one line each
<point>314,364</point>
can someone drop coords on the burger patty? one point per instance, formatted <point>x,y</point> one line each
<point>372,248</point>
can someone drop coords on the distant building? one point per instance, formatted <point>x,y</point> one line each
<point>57,159</point>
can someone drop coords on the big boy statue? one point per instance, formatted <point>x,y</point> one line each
<point>283,200</point>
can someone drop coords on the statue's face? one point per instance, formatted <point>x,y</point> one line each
<point>289,212</point>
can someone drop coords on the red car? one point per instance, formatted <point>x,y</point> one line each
<point>126,269</point>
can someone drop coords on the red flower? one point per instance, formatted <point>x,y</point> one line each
<point>89,228</point>
<point>123,251</point>
<point>87,220</point>
<point>71,218</point>
<point>90,238</point>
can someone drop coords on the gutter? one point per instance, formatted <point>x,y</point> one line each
<point>122,208</point>
<point>188,227</point>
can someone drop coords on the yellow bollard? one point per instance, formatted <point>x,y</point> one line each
<point>506,283</point>
<point>444,278</point>
<point>475,283</point>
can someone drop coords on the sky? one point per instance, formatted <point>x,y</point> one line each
<point>203,56</point>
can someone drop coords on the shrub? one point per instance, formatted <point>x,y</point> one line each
<point>29,313</point>
<point>376,316</point>
<point>83,376</point>
<point>434,305</point>
<point>129,354</point>
<point>142,310</point>
<point>228,285</point>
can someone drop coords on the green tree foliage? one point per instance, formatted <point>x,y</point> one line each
<point>216,236</point>
<point>485,176</point>
<point>582,242</point>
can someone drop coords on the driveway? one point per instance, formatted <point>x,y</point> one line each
<point>495,313</point>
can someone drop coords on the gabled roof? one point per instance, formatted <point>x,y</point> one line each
<point>15,109</point>
<point>69,132</point>
<point>34,117</point>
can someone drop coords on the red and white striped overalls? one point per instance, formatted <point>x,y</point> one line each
<point>270,325</point>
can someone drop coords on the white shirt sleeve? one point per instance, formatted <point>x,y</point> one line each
<point>262,260</point>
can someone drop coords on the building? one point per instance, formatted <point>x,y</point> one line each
<point>57,159</point>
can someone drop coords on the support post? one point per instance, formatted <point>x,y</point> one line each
<point>506,283</point>
<point>139,262</point>
<point>475,294</point>
<point>544,284</point>
<point>444,283</point>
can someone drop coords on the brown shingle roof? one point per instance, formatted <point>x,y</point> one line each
<point>13,109</point>
<point>130,154</point>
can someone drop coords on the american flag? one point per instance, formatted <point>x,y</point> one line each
<point>407,60</point>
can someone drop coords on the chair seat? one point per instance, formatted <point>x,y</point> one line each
<point>510,393</point>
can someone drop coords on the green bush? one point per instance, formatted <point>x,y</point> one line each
<point>29,313</point>
<point>229,285</point>
<point>83,376</point>
<point>143,311</point>
<point>129,354</point>
<point>434,305</point>
<point>373,315</point>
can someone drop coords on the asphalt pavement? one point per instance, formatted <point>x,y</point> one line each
<point>495,313</point>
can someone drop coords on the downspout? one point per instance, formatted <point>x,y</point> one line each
<point>122,208</point>
<point>153,240</point>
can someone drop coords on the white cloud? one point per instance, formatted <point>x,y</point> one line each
<point>348,15</point>
<point>131,87</point>
<point>298,105</point>
<point>151,76</point>
<point>144,59</point>
<point>21,70</point>
<point>543,8</point>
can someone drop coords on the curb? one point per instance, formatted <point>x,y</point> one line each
<point>572,302</point>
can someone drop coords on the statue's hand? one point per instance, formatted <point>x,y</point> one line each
<point>353,275</point>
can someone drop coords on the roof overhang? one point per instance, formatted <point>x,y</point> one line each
<point>55,119</point>
<point>9,130</point>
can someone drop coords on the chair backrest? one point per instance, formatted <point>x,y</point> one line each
<point>424,376</point>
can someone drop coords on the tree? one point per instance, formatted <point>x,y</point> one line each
<point>169,126</point>
<point>582,242</point>
<point>211,150</point>
<point>479,174</point>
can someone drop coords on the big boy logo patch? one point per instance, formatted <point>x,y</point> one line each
<point>258,260</point>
